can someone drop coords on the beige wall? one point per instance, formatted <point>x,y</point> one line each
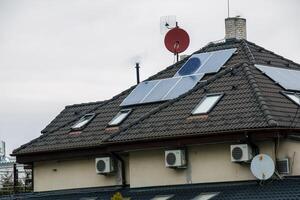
<point>56,175</point>
<point>207,163</point>
<point>290,149</point>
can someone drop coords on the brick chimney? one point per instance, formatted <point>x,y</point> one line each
<point>235,27</point>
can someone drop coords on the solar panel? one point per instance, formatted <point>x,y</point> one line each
<point>161,90</point>
<point>185,84</point>
<point>209,62</point>
<point>192,65</point>
<point>287,78</point>
<point>139,92</point>
<point>216,61</point>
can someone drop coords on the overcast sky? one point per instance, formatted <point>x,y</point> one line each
<point>59,52</point>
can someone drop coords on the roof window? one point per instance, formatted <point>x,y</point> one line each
<point>162,197</point>
<point>206,196</point>
<point>295,97</point>
<point>120,117</point>
<point>83,121</point>
<point>207,103</point>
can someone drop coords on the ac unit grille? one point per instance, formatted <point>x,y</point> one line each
<point>171,158</point>
<point>237,153</point>
<point>283,166</point>
<point>101,165</point>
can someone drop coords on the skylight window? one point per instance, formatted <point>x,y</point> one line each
<point>293,96</point>
<point>120,117</point>
<point>207,103</point>
<point>162,197</point>
<point>206,196</point>
<point>83,121</point>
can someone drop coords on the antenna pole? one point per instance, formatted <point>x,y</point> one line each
<point>137,67</point>
<point>228,8</point>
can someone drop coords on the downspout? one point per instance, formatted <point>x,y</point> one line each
<point>123,174</point>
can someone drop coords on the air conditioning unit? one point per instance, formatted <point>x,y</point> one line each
<point>283,166</point>
<point>241,153</point>
<point>104,165</point>
<point>175,158</point>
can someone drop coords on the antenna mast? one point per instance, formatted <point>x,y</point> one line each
<point>228,8</point>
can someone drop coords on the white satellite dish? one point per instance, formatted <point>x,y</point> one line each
<point>167,23</point>
<point>262,167</point>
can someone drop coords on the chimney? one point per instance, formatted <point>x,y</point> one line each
<point>235,27</point>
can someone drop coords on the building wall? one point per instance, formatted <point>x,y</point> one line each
<point>207,163</point>
<point>56,175</point>
<point>290,149</point>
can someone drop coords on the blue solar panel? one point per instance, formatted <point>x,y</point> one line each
<point>185,84</point>
<point>190,67</point>
<point>161,89</point>
<point>193,64</point>
<point>287,78</point>
<point>216,61</point>
<point>139,92</point>
<point>209,62</point>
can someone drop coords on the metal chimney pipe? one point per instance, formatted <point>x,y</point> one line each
<point>137,67</point>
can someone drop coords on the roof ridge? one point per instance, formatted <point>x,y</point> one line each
<point>271,52</point>
<point>259,97</point>
<point>254,86</point>
<point>168,103</point>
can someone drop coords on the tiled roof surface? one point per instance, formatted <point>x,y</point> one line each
<point>270,190</point>
<point>251,100</point>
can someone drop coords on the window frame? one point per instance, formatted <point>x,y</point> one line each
<point>287,93</point>
<point>220,94</point>
<point>81,120</point>
<point>169,196</point>
<point>203,194</point>
<point>128,110</point>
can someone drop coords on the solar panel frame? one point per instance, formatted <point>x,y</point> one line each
<point>286,78</point>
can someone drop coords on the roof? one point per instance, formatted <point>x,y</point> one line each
<point>286,189</point>
<point>251,101</point>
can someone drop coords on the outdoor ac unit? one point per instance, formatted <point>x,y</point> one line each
<point>175,158</point>
<point>104,165</point>
<point>283,166</point>
<point>241,153</point>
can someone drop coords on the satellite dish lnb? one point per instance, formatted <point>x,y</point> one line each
<point>262,167</point>
<point>177,40</point>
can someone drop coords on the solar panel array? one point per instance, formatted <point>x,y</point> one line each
<point>289,79</point>
<point>209,62</point>
<point>161,90</point>
<point>185,78</point>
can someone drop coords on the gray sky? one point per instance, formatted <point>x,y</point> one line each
<point>59,52</point>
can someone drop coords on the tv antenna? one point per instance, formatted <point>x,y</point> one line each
<point>228,8</point>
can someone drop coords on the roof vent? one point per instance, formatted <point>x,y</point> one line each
<point>235,27</point>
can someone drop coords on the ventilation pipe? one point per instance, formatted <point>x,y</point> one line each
<point>137,67</point>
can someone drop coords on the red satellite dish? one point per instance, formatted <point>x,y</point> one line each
<point>177,40</point>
